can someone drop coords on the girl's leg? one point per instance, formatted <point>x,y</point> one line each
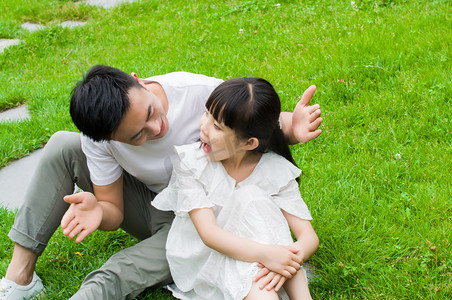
<point>297,287</point>
<point>257,294</point>
<point>252,214</point>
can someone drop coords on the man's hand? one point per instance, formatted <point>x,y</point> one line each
<point>281,259</point>
<point>306,119</point>
<point>83,216</point>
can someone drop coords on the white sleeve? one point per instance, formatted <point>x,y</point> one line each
<point>185,191</point>
<point>289,200</point>
<point>103,167</point>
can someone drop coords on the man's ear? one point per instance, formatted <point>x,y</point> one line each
<point>137,79</point>
<point>251,144</point>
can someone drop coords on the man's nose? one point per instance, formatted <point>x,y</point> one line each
<point>153,127</point>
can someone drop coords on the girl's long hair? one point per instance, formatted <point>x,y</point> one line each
<point>251,107</point>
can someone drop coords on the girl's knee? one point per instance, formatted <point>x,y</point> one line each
<point>261,294</point>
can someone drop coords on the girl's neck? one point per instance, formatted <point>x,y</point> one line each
<point>241,165</point>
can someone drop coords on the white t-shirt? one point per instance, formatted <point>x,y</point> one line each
<point>151,163</point>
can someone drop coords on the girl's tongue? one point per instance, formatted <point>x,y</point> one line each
<point>206,147</point>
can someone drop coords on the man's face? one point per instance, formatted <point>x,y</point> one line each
<point>144,120</point>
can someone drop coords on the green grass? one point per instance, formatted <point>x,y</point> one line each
<point>377,180</point>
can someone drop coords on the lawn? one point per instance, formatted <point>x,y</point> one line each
<point>378,179</point>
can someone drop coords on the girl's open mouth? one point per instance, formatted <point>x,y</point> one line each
<point>206,148</point>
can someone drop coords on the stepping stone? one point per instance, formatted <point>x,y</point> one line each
<point>5,43</point>
<point>14,180</point>
<point>32,27</point>
<point>310,272</point>
<point>72,24</point>
<point>15,114</point>
<point>106,3</point>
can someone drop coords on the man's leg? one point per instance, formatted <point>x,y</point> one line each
<point>130,271</point>
<point>62,163</point>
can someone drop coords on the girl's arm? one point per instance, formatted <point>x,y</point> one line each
<point>280,259</point>
<point>307,242</point>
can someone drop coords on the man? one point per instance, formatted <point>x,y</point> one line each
<point>122,159</point>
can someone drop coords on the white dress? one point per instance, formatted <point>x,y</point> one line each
<point>252,210</point>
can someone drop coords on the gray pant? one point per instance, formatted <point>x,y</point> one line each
<point>128,272</point>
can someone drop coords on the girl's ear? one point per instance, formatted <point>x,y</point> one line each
<point>251,144</point>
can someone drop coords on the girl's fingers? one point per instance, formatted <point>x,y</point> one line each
<point>292,270</point>
<point>266,280</point>
<point>286,274</point>
<point>273,283</point>
<point>263,272</point>
<point>281,282</point>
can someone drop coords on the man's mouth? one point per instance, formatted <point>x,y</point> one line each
<point>162,129</point>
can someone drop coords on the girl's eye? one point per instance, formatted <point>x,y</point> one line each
<point>216,127</point>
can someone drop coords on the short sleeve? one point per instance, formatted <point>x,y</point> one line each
<point>185,191</point>
<point>103,167</point>
<point>289,200</point>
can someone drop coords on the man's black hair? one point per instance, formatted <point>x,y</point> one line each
<point>100,100</point>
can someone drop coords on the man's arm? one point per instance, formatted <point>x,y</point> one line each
<point>102,210</point>
<point>302,125</point>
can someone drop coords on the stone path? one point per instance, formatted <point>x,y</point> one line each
<point>15,177</point>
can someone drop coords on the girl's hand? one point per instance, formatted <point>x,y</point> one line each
<point>269,279</point>
<point>281,259</point>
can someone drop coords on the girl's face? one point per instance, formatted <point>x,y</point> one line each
<point>219,141</point>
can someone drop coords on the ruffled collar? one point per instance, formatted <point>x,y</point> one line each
<point>271,173</point>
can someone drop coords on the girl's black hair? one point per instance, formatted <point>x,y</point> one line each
<point>251,107</point>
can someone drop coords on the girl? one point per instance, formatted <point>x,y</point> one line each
<point>235,196</point>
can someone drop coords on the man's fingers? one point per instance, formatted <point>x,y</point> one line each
<point>83,234</point>
<point>312,108</point>
<point>70,226</point>
<point>314,125</point>
<point>75,231</point>
<point>74,198</point>
<point>307,95</point>
<point>68,216</point>
<point>314,115</point>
